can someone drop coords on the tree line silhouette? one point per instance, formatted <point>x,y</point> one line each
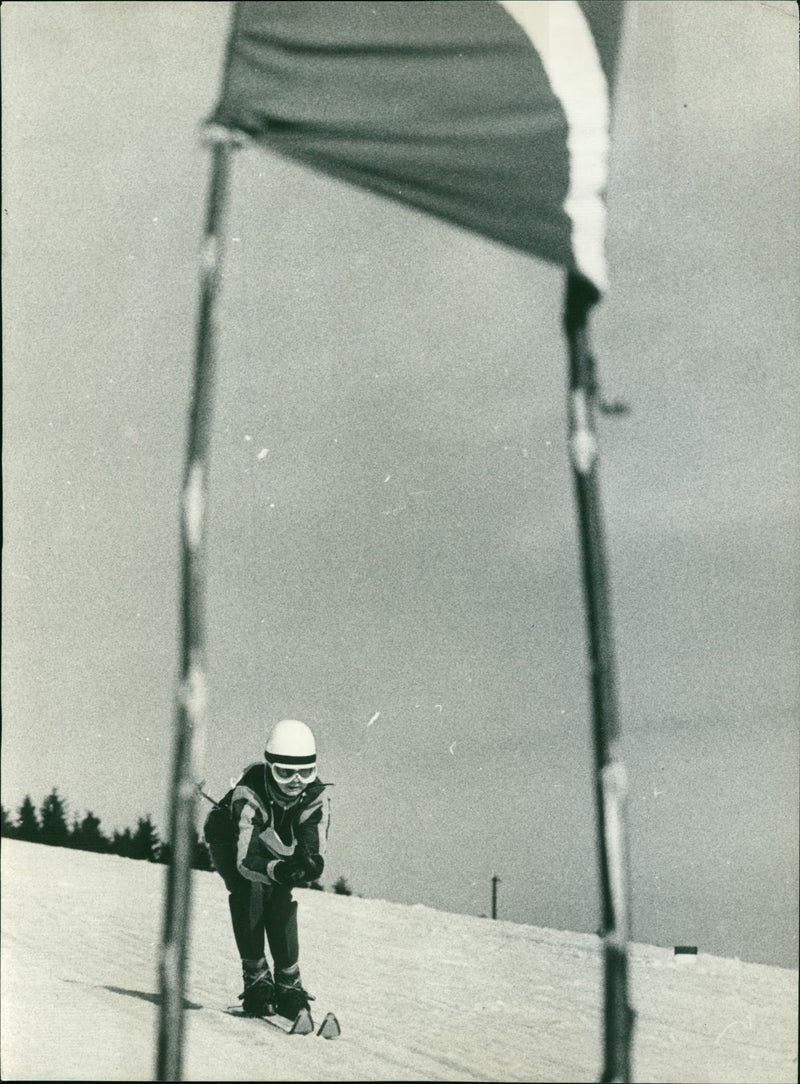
<point>50,825</point>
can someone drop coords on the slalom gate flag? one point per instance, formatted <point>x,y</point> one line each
<point>492,115</point>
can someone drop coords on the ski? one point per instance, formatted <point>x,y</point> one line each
<point>329,1028</point>
<point>302,1024</point>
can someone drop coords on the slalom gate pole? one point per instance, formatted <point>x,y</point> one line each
<point>190,719</point>
<point>609,779</point>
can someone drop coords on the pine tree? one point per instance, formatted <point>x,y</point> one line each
<point>53,815</point>
<point>75,834</point>
<point>27,821</point>
<point>122,844</point>
<point>145,842</point>
<point>8,828</point>
<point>86,835</point>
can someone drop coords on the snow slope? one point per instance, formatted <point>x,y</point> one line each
<point>421,994</point>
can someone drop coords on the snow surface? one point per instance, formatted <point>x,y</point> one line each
<point>421,994</point>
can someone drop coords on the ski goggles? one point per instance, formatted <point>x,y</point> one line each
<point>285,772</point>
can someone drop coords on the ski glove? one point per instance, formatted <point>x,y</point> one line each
<point>286,872</point>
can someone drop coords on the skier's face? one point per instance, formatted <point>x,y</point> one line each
<point>292,781</point>
<point>292,787</point>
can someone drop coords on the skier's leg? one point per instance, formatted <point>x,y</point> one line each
<point>280,919</point>
<point>247,917</point>
<point>280,922</point>
<point>245,901</point>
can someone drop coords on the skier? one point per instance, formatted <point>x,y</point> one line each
<point>266,835</point>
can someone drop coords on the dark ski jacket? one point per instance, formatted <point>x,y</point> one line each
<point>265,826</point>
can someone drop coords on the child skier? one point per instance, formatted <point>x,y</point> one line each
<point>267,834</point>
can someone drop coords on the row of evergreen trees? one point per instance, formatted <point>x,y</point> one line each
<point>50,825</point>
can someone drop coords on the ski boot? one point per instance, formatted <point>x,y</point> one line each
<point>258,998</point>
<point>290,997</point>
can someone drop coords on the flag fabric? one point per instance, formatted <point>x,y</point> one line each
<point>492,115</point>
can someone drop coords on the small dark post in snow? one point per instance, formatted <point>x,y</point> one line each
<point>685,954</point>
<point>495,882</point>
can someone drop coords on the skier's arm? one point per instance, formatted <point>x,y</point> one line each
<point>312,836</point>
<point>311,833</point>
<point>250,818</point>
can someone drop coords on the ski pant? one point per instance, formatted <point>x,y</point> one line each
<point>257,909</point>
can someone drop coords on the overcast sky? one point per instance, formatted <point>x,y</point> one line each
<point>393,544</point>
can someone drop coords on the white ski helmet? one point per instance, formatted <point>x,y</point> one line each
<point>291,743</point>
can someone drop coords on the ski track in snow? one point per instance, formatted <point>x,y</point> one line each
<point>421,994</point>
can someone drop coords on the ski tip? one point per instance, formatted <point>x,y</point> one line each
<point>329,1028</point>
<point>303,1024</point>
